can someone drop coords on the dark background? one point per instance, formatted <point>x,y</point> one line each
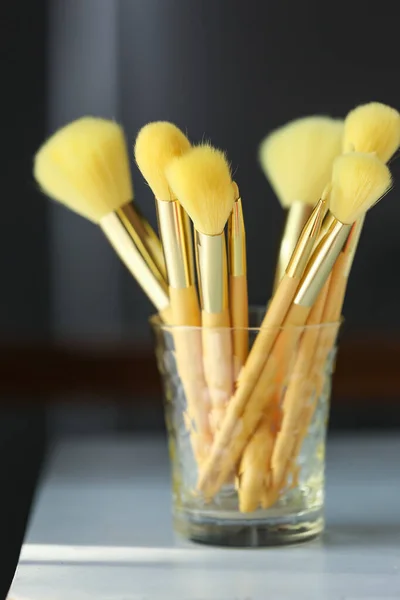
<point>75,346</point>
<point>225,69</point>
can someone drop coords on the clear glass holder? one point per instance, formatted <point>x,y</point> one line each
<point>274,491</point>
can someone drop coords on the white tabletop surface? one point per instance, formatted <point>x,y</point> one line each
<point>101,529</point>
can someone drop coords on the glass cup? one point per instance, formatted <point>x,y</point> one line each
<point>254,477</point>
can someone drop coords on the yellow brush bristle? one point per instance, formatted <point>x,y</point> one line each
<point>201,180</point>
<point>372,127</point>
<point>85,166</point>
<point>156,145</point>
<point>359,180</point>
<point>297,158</point>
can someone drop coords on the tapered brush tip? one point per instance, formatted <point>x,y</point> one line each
<point>85,166</point>
<point>201,180</point>
<point>156,145</point>
<point>373,127</point>
<point>297,158</point>
<point>359,180</point>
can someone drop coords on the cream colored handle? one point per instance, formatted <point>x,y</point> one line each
<point>239,308</point>
<point>185,309</point>
<point>298,395</point>
<point>266,397</point>
<point>189,359</point>
<point>220,463</point>
<point>254,470</point>
<point>260,401</point>
<point>217,357</point>
<point>325,343</point>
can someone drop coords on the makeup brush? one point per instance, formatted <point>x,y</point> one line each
<point>201,179</point>
<point>358,182</point>
<point>157,144</point>
<point>264,341</point>
<point>238,297</point>
<point>297,160</point>
<point>85,166</point>
<point>372,127</point>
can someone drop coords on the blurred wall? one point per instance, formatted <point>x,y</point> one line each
<point>229,71</point>
<point>226,70</point>
<point>24,250</point>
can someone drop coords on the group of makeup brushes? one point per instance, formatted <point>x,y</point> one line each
<point>248,409</point>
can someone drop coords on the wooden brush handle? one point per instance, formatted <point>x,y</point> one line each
<point>268,390</point>
<point>299,393</point>
<point>260,401</point>
<point>325,342</point>
<point>239,321</point>
<point>189,360</point>
<point>211,474</point>
<point>185,310</point>
<point>217,358</point>
<point>255,465</point>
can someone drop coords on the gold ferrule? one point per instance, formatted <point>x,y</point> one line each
<point>351,244</point>
<point>130,250</point>
<point>297,216</point>
<point>307,239</point>
<point>188,232</point>
<point>145,237</point>
<point>212,271</point>
<point>326,224</point>
<point>237,241</point>
<point>321,263</point>
<point>173,229</point>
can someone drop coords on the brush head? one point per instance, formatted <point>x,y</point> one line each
<point>201,180</point>
<point>359,180</point>
<point>297,158</point>
<point>85,166</point>
<point>156,145</point>
<point>372,127</point>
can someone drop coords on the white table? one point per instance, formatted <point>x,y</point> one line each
<point>101,529</point>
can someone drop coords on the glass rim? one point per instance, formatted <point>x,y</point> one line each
<point>158,325</point>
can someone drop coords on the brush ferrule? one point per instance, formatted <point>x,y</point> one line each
<point>188,233</point>
<point>351,244</point>
<point>121,234</point>
<point>297,216</point>
<point>212,271</point>
<point>144,235</point>
<point>306,241</point>
<point>174,232</point>
<point>327,223</point>
<point>237,241</point>
<point>321,263</point>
